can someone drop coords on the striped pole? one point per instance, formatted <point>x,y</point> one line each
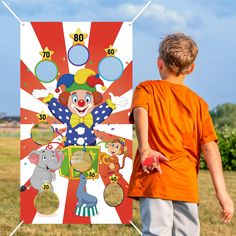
<point>86,211</point>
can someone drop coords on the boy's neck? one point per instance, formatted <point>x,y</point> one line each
<point>174,79</point>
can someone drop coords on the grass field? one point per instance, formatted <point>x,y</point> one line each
<point>9,204</point>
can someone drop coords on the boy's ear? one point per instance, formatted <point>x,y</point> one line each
<point>160,63</point>
<point>191,68</point>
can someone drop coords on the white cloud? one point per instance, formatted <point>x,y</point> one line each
<point>171,19</point>
<point>158,13</point>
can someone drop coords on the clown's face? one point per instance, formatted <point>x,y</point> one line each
<point>81,102</point>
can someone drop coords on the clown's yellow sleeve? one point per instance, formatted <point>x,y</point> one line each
<point>48,98</point>
<point>111,104</point>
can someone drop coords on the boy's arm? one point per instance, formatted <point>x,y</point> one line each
<point>212,156</point>
<point>141,126</point>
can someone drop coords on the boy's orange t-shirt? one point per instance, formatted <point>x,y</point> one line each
<point>179,122</point>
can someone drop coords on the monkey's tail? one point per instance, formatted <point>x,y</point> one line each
<point>123,160</point>
<point>23,188</point>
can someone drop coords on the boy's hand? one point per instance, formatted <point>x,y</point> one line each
<point>227,206</point>
<point>157,157</point>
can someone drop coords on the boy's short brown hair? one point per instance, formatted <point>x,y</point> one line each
<point>178,52</point>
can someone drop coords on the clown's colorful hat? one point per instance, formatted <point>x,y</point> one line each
<point>84,79</point>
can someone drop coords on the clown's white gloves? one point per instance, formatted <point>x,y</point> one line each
<point>42,93</point>
<point>120,101</point>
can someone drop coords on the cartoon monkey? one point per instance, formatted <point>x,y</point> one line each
<point>110,163</point>
<point>79,105</point>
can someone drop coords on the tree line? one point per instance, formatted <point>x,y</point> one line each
<point>224,119</point>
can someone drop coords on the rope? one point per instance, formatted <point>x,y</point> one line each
<point>140,12</point>
<point>17,227</point>
<point>135,227</point>
<point>13,13</point>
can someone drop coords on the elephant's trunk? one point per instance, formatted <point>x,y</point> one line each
<point>58,165</point>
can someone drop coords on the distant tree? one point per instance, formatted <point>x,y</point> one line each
<point>2,115</point>
<point>224,115</point>
<point>226,144</point>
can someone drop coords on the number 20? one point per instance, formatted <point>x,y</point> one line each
<point>46,187</point>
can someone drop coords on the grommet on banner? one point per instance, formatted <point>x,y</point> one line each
<point>13,13</point>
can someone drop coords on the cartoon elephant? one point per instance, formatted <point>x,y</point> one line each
<point>47,162</point>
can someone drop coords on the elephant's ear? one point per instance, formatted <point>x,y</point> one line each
<point>34,157</point>
<point>59,155</point>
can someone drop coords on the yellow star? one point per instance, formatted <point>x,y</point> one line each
<point>113,178</point>
<point>42,117</point>
<point>46,54</point>
<point>63,139</point>
<point>110,51</point>
<point>78,37</point>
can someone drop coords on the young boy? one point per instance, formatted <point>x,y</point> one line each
<point>173,125</point>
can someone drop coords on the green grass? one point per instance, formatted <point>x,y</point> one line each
<point>9,204</point>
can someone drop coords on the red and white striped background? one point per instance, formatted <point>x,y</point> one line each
<point>35,36</point>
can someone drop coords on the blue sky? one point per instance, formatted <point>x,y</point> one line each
<point>211,23</point>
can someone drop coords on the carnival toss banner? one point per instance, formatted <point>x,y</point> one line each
<point>76,140</point>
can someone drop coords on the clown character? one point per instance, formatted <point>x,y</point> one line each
<point>79,105</point>
<point>110,162</point>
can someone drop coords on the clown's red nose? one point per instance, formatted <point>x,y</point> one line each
<point>81,103</point>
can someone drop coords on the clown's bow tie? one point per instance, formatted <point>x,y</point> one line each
<point>87,120</point>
